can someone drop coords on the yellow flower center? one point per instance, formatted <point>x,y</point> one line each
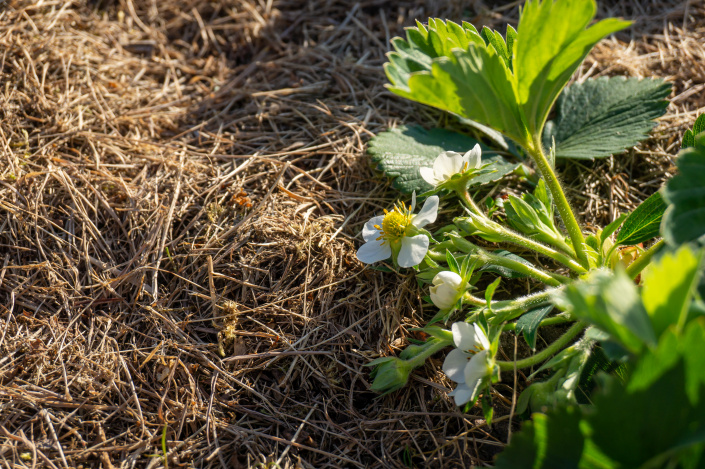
<point>394,223</point>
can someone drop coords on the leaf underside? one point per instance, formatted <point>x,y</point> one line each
<point>604,117</point>
<point>400,152</point>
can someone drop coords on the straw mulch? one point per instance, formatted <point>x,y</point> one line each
<point>181,190</point>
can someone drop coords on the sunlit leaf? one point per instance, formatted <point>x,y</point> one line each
<point>611,302</point>
<point>552,41</point>
<point>643,223</point>
<point>669,284</point>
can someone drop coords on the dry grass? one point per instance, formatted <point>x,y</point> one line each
<point>181,188</point>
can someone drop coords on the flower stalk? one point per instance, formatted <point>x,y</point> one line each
<point>546,353</point>
<point>644,259</point>
<point>564,209</point>
<point>512,237</point>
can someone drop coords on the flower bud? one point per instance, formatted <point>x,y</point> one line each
<point>391,375</point>
<point>474,225</point>
<point>447,288</point>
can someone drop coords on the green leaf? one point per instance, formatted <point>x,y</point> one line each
<point>612,227</point>
<point>505,271</point>
<point>656,420</point>
<point>643,223</point>
<point>452,262</point>
<point>669,285</point>
<point>474,83</point>
<point>551,440</point>
<point>497,41</point>
<point>552,41</point>
<point>603,117</point>
<point>684,220</point>
<point>452,68</point>
<point>611,302</point>
<point>689,135</point>
<point>489,292</point>
<point>630,429</point>
<point>400,152</point>
<point>528,323</point>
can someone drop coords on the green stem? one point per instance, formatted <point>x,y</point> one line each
<point>522,304</point>
<point>548,278</point>
<point>544,354</point>
<point>512,237</point>
<point>642,261</point>
<point>432,346</point>
<point>566,213</point>
<point>473,300</point>
<point>546,322</point>
<point>464,196</point>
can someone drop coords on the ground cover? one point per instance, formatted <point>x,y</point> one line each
<point>182,191</point>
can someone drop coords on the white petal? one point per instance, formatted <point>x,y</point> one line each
<point>463,336</point>
<point>480,338</point>
<point>476,369</point>
<point>443,296</point>
<point>462,394</point>
<point>374,251</point>
<point>454,365</point>
<point>413,201</point>
<point>428,175</point>
<point>369,232</point>
<point>447,164</point>
<point>413,250</point>
<point>474,157</point>
<point>428,213</point>
<point>449,278</point>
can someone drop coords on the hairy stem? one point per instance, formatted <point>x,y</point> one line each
<point>546,322</point>
<point>544,354</point>
<point>549,278</point>
<point>432,346</point>
<point>564,209</point>
<point>515,238</point>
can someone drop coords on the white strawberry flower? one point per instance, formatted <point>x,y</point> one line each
<point>398,230</point>
<point>447,288</point>
<point>450,163</point>
<point>468,364</point>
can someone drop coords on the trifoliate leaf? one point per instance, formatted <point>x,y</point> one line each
<point>604,117</point>
<point>452,68</point>
<point>684,220</point>
<point>400,152</point>
<point>552,41</point>
<point>528,323</point>
<point>643,223</point>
